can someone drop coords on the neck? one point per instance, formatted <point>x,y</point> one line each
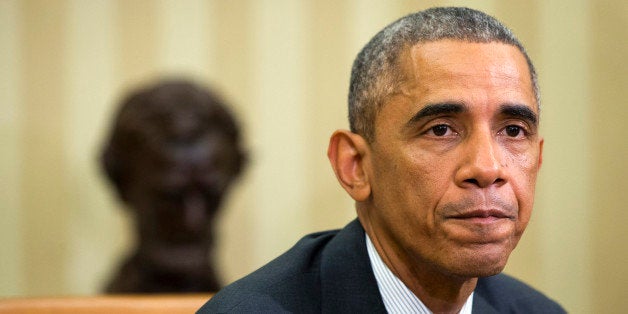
<point>439,291</point>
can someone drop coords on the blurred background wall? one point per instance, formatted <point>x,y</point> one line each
<point>284,65</point>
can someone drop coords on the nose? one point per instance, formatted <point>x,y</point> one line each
<point>481,165</point>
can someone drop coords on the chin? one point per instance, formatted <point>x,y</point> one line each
<point>479,263</point>
<point>479,269</point>
<point>488,270</point>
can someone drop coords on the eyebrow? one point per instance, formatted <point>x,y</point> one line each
<point>512,110</point>
<point>520,111</point>
<point>436,110</point>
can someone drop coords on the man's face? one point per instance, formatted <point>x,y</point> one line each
<point>454,162</point>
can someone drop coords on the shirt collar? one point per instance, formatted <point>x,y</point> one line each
<point>396,296</point>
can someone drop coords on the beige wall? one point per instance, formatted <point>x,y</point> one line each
<point>285,66</point>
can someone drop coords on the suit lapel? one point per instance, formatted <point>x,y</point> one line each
<point>481,305</point>
<point>347,281</point>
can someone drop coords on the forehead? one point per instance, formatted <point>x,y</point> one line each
<point>479,56</point>
<point>443,65</point>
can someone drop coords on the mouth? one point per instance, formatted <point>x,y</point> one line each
<point>482,216</point>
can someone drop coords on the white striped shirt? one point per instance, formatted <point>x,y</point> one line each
<point>396,296</point>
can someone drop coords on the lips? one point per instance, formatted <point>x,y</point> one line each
<point>483,214</point>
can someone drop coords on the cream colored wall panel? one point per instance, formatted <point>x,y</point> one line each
<point>98,232</point>
<point>137,42</point>
<point>609,150</point>
<point>369,17</point>
<point>230,74</point>
<point>185,37</point>
<point>564,199</point>
<point>280,142</point>
<point>327,66</point>
<point>44,172</point>
<point>11,116</point>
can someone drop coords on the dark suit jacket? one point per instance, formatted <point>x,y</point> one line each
<point>330,272</point>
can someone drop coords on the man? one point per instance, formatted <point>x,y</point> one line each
<point>441,160</point>
<point>173,152</point>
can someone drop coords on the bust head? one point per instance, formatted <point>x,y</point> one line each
<point>173,152</point>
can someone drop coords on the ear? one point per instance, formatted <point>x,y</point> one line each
<point>541,153</point>
<point>346,153</point>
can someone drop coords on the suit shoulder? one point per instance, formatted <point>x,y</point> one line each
<point>288,283</point>
<point>509,295</point>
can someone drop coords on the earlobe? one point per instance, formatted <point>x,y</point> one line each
<point>346,153</point>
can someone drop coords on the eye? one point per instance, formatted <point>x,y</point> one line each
<point>440,130</point>
<point>514,131</point>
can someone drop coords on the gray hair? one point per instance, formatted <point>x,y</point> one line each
<point>376,75</point>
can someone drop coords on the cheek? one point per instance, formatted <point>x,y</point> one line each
<point>523,182</point>
<point>428,181</point>
<point>431,175</point>
<point>401,187</point>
